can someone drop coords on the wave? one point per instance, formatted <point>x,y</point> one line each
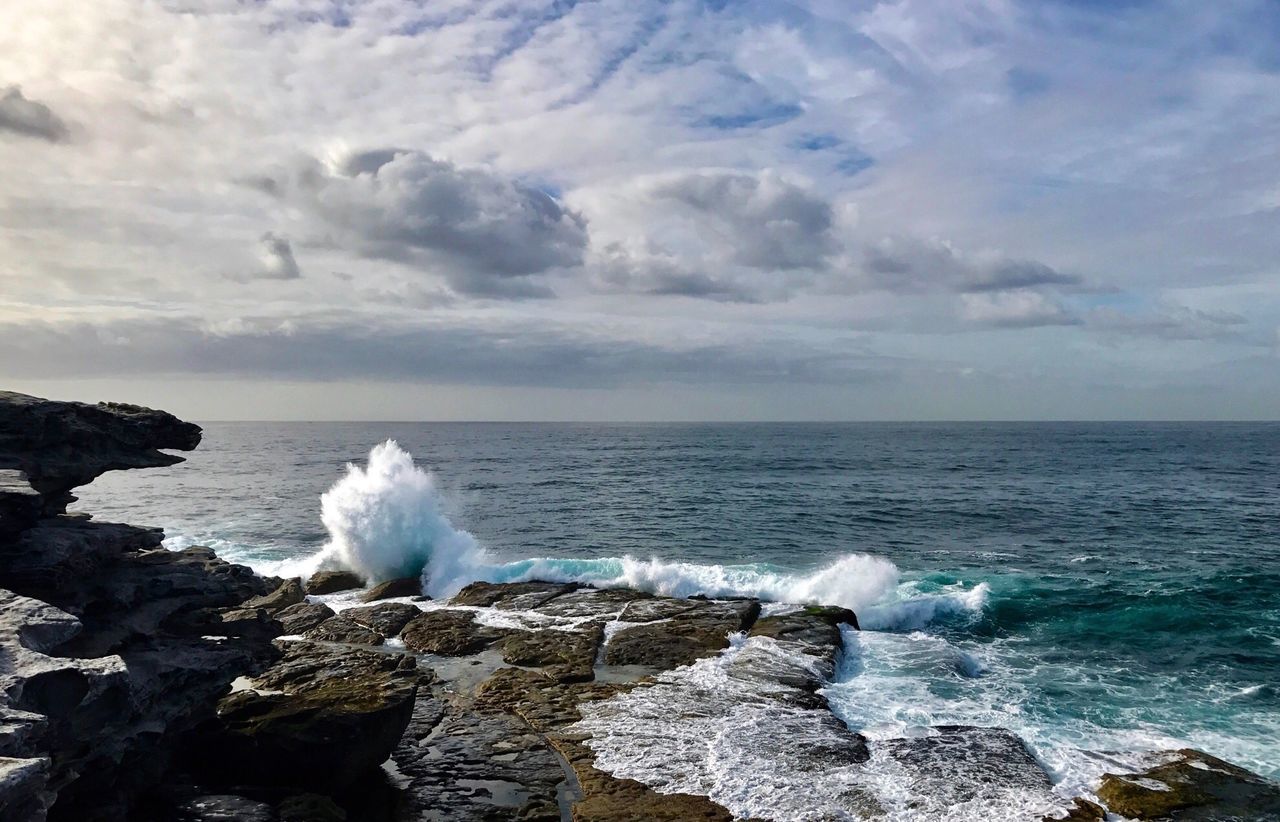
<point>388,519</point>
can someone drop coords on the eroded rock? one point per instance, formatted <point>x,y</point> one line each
<point>332,582</point>
<point>342,629</point>
<point>304,616</point>
<point>1191,785</point>
<point>387,618</point>
<point>320,718</point>
<point>701,629</point>
<point>448,633</point>
<point>392,588</point>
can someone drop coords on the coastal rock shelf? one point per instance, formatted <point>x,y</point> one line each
<point>142,683</point>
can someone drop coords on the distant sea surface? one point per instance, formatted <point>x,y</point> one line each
<point>1101,589</point>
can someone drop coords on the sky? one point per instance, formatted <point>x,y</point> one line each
<point>642,210</point>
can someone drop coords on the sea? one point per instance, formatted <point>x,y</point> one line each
<point>1102,589</point>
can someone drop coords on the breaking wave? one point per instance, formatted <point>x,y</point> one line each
<point>388,519</point>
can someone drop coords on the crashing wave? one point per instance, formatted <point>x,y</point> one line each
<point>388,519</point>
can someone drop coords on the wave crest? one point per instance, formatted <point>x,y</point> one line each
<point>387,520</point>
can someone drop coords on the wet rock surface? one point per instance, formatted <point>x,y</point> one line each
<point>692,630</point>
<point>302,617</point>
<point>392,588</point>
<point>448,633</point>
<point>1192,785</point>
<point>387,618</point>
<point>343,629</point>
<point>331,582</point>
<point>321,717</point>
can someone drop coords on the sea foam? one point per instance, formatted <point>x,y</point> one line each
<point>388,519</point>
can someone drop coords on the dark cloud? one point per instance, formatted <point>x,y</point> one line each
<point>766,222</point>
<point>465,355</point>
<point>29,117</point>
<point>662,274</point>
<point>486,234</point>
<point>277,259</point>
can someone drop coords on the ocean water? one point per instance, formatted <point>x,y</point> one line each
<point>1101,589</point>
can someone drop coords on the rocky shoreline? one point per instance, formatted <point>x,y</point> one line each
<point>142,683</point>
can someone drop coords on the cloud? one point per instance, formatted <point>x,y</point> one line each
<point>277,258</point>
<point>650,271</point>
<point>764,221</point>
<point>719,235</point>
<point>1169,322</point>
<point>905,264</point>
<point>1015,309</point>
<point>484,233</point>
<point>29,118</point>
<point>510,354</point>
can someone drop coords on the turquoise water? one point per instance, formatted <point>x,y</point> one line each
<point>1100,588</point>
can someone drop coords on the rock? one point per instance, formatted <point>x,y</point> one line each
<point>310,807</point>
<point>1081,810</point>
<point>23,793</point>
<point>984,767</point>
<point>702,629</point>
<point>342,629</point>
<point>461,765</point>
<point>1191,785</point>
<point>61,445</point>
<point>818,627</point>
<point>319,719</point>
<point>403,587</point>
<point>288,593</point>
<point>511,595</point>
<point>448,633</point>
<point>225,808</point>
<point>387,618</point>
<point>331,582</point>
<point>609,799</point>
<point>568,656</point>
<point>248,622</point>
<point>304,616</point>
<point>111,648</point>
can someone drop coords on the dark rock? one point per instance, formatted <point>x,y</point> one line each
<point>511,595</point>
<point>304,616</point>
<point>288,593</point>
<point>61,445</point>
<point>225,808</point>
<point>448,633</point>
<point>959,763</point>
<point>320,718</point>
<point>1081,810</point>
<point>331,582</point>
<point>310,807</point>
<point>387,618</point>
<point>23,788</point>
<point>342,629</point>
<point>701,630</point>
<point>607,798</point>
<point>461,765</point>
<point>818,627</point>
<point>1192,785</point>
<point>568,656</point>
<point>248,622</point>
<point>403,587</point>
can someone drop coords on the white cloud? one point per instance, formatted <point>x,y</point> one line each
<point>696,165</point>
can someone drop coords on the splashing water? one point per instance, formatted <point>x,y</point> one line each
<point>388,520</point>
